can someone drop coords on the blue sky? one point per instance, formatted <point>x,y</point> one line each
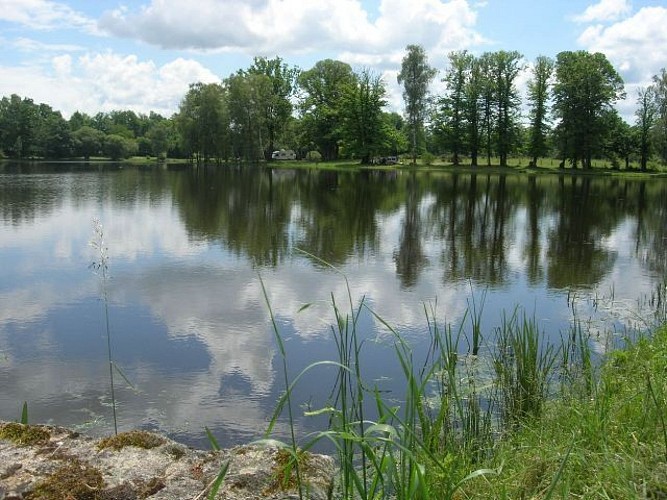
<point>142,54</point>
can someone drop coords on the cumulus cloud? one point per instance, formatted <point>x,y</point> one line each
<point>292,26</point>
<point>605,11</point>
<point>637,46</point>
<point>43,14</point>
<point>105,81</point>
<point>30,45</point>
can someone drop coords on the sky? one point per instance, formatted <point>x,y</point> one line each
<point>141,55</point>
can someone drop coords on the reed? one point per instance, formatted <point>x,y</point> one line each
<point>101,267</point>
<point>401,450</point>
<point>523,364</point>
<point>521,419</point>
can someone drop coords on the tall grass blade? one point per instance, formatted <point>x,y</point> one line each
<point>661,413</point>
<point>552,487</point>
<point>124,377</point>
<point>288,394</point>
<point>212,440</point>
<point>218,481</point>
<point>102,266</point>
<point>24,413</point>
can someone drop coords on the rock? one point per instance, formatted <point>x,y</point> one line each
<point>59,463</point>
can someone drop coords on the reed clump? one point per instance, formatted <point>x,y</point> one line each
<point>519,418</point>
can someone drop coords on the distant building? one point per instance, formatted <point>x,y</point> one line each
<point>283,154</point>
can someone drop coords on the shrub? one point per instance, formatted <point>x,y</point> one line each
<point>314,156</point>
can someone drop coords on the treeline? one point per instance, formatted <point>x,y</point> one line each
<point>332,112</point>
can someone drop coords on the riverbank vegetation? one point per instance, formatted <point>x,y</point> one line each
<point>513,416</point>
<point>331,112</point>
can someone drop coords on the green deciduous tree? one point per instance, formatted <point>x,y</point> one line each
<point>586,86</point>
<point>248,94</point>
<point>275,105</point>
<point>203,120</point>
<point>118,147</point>
<point>415,76</point>
<point>53,136</point>
<point>505,69</point>
<point>323,88</point>
<point>88,141</point>
<point>660,126</point>
<point>538,98</point>
<point>645,114</point>
<point>18,126</point>
<point>451,120</point>
<point>363,128</point>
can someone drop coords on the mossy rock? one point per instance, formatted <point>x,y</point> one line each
<point>139,439</point>
<point>24,435</point>
<point>74,480</point>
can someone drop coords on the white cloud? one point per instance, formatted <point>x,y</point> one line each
<point>42,14</point>
<point>30,45</point>
<point>104,82</point>
<point>268,27</point>
<point>637,46</point>
<point>605,11</point>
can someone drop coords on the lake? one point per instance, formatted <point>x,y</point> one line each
<point>189,323</point>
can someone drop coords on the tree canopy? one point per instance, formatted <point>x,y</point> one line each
<point>332,111</point>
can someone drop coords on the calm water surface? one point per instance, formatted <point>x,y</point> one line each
<point>190,327</point>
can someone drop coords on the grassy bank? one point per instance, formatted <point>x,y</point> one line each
<point>605,441</point>
<point>514,417</point>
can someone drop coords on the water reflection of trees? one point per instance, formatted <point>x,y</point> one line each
<point>647,200</point>
<point>338,212</point>
<point>246,209</point>
<point>472,216</point>
<point>467,226</point>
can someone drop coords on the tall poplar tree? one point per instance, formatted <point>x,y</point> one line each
<point>415,76</point>
<point>646,112</point>
<point>538,97</point>
<point>660,99</point>
<point>452,105</point>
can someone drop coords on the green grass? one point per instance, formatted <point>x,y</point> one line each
<point>615,438</point>
<point>521,419</point>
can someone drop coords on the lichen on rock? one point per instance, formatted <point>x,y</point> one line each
<point>140,464</point>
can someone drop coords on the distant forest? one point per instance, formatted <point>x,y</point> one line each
<point>332,112</point>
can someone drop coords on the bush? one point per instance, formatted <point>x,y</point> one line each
<point>314,156</point>
<point>427,158</point>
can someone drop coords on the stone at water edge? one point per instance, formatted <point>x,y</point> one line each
<point>167,471</point>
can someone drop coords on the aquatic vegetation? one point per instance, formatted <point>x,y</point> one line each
<point>25,435</point>
<point>101,266</point>
<point>139,439</point>
<point>74,480</point>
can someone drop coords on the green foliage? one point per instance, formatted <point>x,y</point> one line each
<point>415,76</point>
<point>321,105</point>
<point>118,147</point>
<point>427,158</point>
<point>23,434</point>
<point>363,129</point>
<point>523,366</point>
<point>646,119</point>
<point>24,413</point>
<point>88,141</point>
<point>275,107</point>
<point>202,122</point>
<point>314,156</point>
<point>138,439</point>
<point>586,86</point>
<point>660,101</point>
<point>538,97</point>
<point>450,121</point>
<point>74,479</point>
